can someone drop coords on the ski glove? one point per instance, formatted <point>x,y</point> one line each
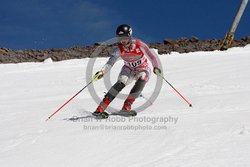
<point>98,75</point>
<point>157,71</point>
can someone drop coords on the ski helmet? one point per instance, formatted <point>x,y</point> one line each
<point>124,30</point>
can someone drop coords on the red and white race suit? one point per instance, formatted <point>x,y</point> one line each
<point>135,57</point>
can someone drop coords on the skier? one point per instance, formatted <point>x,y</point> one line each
<point>133,52</point>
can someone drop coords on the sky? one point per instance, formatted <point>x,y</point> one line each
<point>44,24</point>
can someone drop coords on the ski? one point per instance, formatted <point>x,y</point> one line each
<point>122,113</point>
<point>125,113</point>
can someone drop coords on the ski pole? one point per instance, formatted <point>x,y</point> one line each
<point>190,105</point>
<point>69,100</point>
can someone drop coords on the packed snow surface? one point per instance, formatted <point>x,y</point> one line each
<point>214,132</point>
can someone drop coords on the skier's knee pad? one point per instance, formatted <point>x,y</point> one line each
<point>114,90</point>
<point>118,86</point>
<point>123,79</point>
<point>144,75</point>
<point>138,87</point>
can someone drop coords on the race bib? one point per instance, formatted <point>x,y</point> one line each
<point>135,63</point>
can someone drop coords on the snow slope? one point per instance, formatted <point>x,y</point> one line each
<point>215,132</point>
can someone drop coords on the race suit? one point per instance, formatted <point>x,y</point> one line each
<point>135,61</point>
<point>136,67</point>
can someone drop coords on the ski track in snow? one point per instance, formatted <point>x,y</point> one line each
<point>215,132</point>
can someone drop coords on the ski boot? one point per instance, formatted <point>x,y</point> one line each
<point>100,111</point>
<point>126,109</point>
<point>127,103</point>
